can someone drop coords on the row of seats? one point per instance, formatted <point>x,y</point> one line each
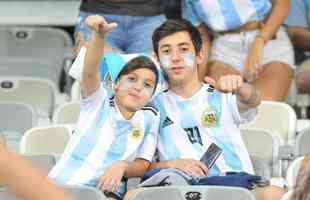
<point>275,126</point>
<point>77,192</point>
<point>263,146</point>
<point>41,52</point>
<point>46,162</point>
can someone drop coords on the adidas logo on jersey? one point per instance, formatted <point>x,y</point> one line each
<point>111,102</point>
<point>210,88</point>
<point>167,122</point>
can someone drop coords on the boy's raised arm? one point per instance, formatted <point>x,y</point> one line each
<point>90,75</point>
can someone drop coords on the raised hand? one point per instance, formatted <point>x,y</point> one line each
<point>98,24</point>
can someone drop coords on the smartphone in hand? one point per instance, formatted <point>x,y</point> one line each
<point>211,155</point>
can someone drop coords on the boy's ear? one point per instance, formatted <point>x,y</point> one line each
<point>199,56</point>
<point>116,86</point>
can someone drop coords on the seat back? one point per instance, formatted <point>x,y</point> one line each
<point>193,192</point>
<point>85,193</point>
<point>15,119</point>
<point>39,93</point>
<point>67,113</point>
<point>76,91</point>
<point>260,167</point>
<point>77,192</point>
<point>45,140</point>
<point>46,47</point>
<point>16,116</point>
<point>292,172</point>
<point>44,162</point>
<point>277,117</point>
<point>302,145</point>
<point>265,145</point>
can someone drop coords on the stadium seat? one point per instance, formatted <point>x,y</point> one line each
<point>17,116</point>
<point>277,117</point>
<point>15,119</point>
<point>34,51</point>
<point>77,192</point>
<point>76,91</point>
<point>45,140</point>
<point>302,145</point>
<point>261,168</point>
<point>85,193</point>
<point>292,172</point>
<point>265,145</point>
<point>67,113</point>
<point>193,192</point>
<point>44,162</point>
<point>39,93</point>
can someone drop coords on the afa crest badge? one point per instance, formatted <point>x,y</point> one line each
<point>136,133</point>
<point>209,117</point>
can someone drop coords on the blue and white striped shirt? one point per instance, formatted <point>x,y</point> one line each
<point>223,15</point>
<point>299,14</point>
<point>189,126</point>
<point>104,136</point>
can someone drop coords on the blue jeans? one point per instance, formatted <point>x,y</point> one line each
<point>132,35</point>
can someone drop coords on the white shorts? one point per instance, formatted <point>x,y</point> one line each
<point>233,48</point>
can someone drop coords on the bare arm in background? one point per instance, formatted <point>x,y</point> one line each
<point>25,181</point>
<point>253,65</point>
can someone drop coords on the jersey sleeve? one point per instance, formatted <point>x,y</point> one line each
<point>148,146</point>
<point>93,102</point>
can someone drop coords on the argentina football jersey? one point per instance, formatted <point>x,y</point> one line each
<point>189,126</point>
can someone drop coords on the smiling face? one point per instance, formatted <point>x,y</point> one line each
<point>135,89</point>
<point>178,57</point>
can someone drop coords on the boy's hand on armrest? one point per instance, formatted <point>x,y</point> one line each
<point>111,179</point>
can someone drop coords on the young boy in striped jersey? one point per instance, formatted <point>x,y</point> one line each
<point>116,133</point>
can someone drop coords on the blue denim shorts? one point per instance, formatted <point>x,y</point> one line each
<point>132,35</point>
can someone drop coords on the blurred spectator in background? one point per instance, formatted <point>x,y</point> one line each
<point>136,21</point>
<point>248,40</point>
<point>298,27</point>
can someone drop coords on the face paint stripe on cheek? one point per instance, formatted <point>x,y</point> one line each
<point>126,84</point>
<point>189,60</point>
<point>165,62</point>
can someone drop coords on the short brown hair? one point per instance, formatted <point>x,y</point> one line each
<point>172,26</point>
